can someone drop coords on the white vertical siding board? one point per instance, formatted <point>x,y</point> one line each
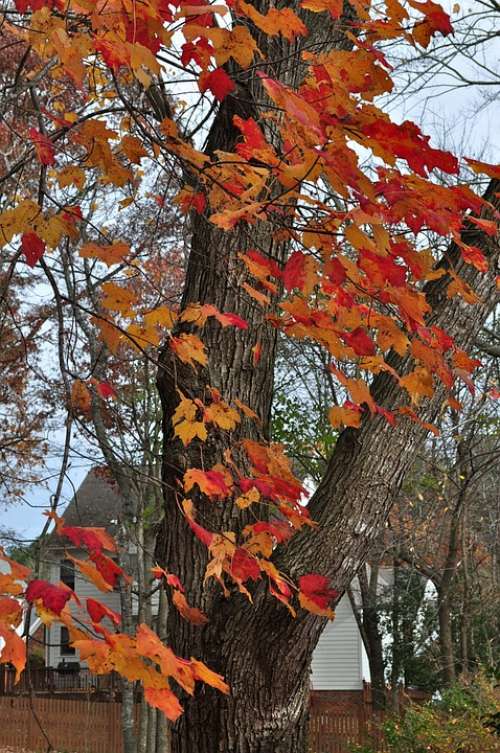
<point>84,589</point>
<point>336,662</point>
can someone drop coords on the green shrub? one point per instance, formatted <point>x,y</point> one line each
<point>462,721</point>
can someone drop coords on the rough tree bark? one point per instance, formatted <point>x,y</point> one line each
<point>263,653</point>
<point>444,587</point>
<point>367,615</point>
<point>373,642</point>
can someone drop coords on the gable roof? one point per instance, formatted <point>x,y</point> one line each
<point>97,502</point>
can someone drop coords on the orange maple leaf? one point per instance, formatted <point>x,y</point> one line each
<point>189,349</point>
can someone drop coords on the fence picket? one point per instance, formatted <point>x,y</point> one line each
<point>89,726</point>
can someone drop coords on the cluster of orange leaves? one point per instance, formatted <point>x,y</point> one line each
<point>353,284</point>
<point>141,657</point>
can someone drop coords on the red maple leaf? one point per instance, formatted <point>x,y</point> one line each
<point>174,581</point>
<point>201,533</point>
<point>254,138</point>
<point>105,390</point>
<point>97,611</point>
<point>408,142</point>
<point>243,566</point>
<point>52,597</point>
<point>196,201</point>
<point>43,146</point>
<point>234,320</point>
<point>109,570</point>
<point>91,539</point>
<point>113,55</point>
<point>32,247</point>
<point>218,82</point>
<point>294,272</point>
<point>280,529</point>
<point>359,341</point>
<point>317,589</point>
<point>200,52</point>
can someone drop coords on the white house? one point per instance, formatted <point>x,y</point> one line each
<point>95,504</point>
<point>338,663</point>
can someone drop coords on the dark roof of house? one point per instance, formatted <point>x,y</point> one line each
<point>96,503</point>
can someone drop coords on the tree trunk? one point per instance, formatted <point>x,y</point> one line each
<point>127,688</point>
<point>414,592</point>
<point>447,655</point>
<point>368,624</point>
<point>262,652</point>
<point>445,590</point>
<point>466,640</point>
<point>376,663</point>
<point>397,647</point>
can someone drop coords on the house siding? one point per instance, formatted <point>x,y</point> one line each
<point>336,662</point>
<point>84,590</point>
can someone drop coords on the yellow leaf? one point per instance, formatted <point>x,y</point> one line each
<point>312,606</point>
<point>214,483</point>
<point>221,414</point>
<point>71,176</point>
<point>161,317</point>
<point>459,287</point>
<point>54,229</point>
<point>189,349</point>
<point>248,412</point>
<point>334,7</point>
<point>191,614</point>
<point>125,203</point>
<point>117,298</point>
<point>261,298</point>
<point>117,174</point>
<point>141,336</point>
<point>196,10</point>
<point>18,220</point>
<point>195,313</point>
<point>247,499</point>
<point>358,390</point>
<point>108,333</point>
<point>389,335</point>
<point>186,427</point>
<point>339,416</point>
<point>14,650</point>
<point>91,573</point>
<point>418,384</point>
<point>81,400</point>
<point>274,22</point>
<point>203,673</point>
<point>165,700</point>
<point>141,61</point>
<point>236,43</point>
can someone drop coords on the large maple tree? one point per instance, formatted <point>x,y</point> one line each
<point>290,229</point>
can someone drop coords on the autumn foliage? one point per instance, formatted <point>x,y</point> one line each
<point>352,282</point>
<point>94,628</point>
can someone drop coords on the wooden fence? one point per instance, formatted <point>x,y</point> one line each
<point>71,726</point>
<point>339,721</point>
<point>51,681</point>
<point>88,726</point>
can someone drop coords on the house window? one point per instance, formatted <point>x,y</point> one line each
<point>66,649</point>
<point>67,573</point>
